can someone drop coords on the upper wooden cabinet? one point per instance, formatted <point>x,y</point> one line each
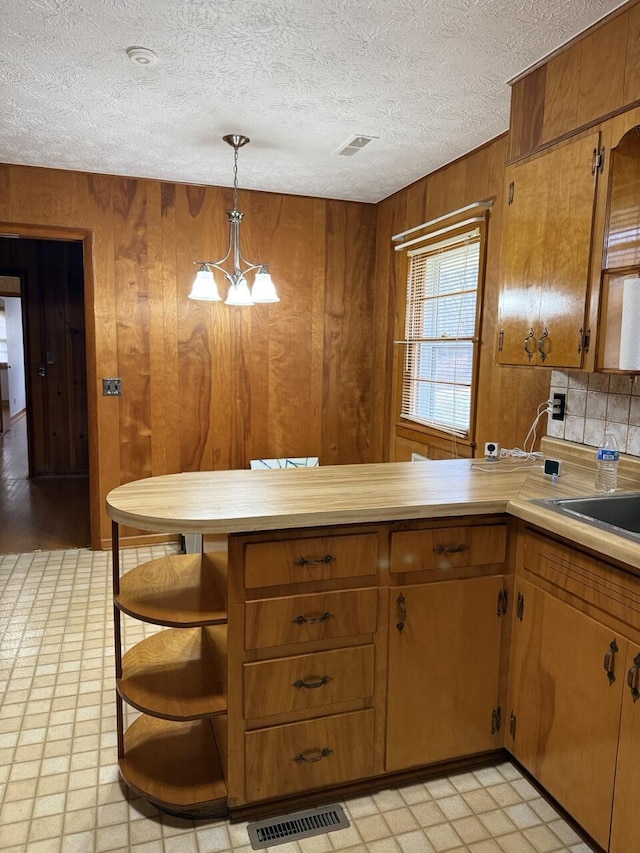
<point>619,340</point>
<point>546,255</point>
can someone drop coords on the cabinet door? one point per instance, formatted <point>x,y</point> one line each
<point>566,705</point>
<point>546,254</point>
<point>625,829</point>
<point>444,653</point>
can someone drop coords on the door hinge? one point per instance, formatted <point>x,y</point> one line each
<point>586,340</point>
<point>520,606</point>
<point>512,725</point>
<point>503,596</point>
<point>501,340</point>
<point>512,189</point>
<point>496,719</point>
<point>597,163</point>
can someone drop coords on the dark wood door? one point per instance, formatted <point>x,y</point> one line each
<point>52,278</point>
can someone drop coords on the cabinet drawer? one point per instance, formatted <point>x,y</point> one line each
<point>314,754</point>
<point>303,560</point>
<point>307,681</point>
<point>448,547</point>
<point>306,618</point>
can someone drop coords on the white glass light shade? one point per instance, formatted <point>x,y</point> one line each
<point>204,286</point>
<point>239,293</point>
<point>264,290</point>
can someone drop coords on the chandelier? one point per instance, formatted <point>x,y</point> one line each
<point>204,286</point>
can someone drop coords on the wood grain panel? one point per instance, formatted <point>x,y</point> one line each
<point>443,681</point>
<point>447,547</point>
<point>132,311</point>
<point>631,90</point>
<point>561,96</point>
<point>625,825</point>
<point>348,355</point>
<point>305,618</point>
<point>5,193</point>
<point>599,91</point>
<point>388,307</point>
<point>308,681</point>
<point>177,674</point>
<point>291,752</point>
<point>563,701</point>
<point>325,558</point>
<point>175,765</point>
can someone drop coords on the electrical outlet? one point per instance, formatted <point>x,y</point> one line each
<point>112,387</point>
<point>559,403</point>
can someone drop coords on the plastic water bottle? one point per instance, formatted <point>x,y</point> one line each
<point>607,464</point>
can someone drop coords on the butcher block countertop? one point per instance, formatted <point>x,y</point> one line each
<point>250,500</point>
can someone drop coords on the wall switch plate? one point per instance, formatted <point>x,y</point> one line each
<point>112,387</point>
<point>559,403</point>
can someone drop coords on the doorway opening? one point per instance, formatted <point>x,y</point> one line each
<point>44,457</point>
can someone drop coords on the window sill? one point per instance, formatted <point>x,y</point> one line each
<point>422,434</point>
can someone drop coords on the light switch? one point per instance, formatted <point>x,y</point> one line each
<point>112,387</point>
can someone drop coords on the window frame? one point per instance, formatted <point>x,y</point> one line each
<point>406,425</point>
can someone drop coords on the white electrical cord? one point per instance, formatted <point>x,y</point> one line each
<point>518,456</point>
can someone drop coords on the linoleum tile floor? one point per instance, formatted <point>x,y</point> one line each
<point>59,784</point>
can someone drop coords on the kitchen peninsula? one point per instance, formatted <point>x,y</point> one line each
<point>368,621</point>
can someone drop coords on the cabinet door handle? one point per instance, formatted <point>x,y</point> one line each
<point>303,561</point>
<point>632,678</point>
<point>312,620</point>
<point>401,601</point>
<point>527,340</point>
<point>452,549</point>
<point>312,756</point>
<point>312,685</point>
<point>541,344</point>
<point>609,661</point>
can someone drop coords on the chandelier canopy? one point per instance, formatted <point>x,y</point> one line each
<point>204,286</point>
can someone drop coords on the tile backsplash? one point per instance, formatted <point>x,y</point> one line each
<point>597,403</point>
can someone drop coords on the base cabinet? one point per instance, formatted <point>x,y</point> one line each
<point>444,657</point>
<point>566,689</point>
<point>308,755</point>
<point>625,826</point>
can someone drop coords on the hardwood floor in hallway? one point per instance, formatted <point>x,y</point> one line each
<point>48,513</point>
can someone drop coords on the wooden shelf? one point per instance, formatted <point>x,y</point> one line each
<point>177,674</point>
<point>179,591</point>
<point>175,766</point>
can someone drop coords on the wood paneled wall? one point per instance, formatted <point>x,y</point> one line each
<point>507,397</point>
<point>207,386</point>
<point>596,76</point>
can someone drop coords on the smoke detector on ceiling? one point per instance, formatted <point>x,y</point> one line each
<point>353,145</point>
<point>142,56</point>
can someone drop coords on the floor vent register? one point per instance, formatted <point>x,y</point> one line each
<point>297,825</point>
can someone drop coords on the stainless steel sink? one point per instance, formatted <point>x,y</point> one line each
<point>616,513</point>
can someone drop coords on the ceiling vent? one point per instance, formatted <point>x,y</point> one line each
<point>353,145</point>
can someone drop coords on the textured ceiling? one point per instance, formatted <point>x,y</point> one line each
<point>300,77</point>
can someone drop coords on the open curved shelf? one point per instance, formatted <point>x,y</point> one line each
<point>179,591</point>
<point>177,674</point>
<point>175,766</point>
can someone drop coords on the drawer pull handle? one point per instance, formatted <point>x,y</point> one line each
<point>453,549</point>
<point>312,685</point>
<point>303,561</point>
<point>401,601</point>
<point>609,661</point>
<point>313,620</point>
<point>632,678</point>
<point>313,755</point>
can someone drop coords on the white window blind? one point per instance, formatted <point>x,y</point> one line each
<point>441,309</point>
